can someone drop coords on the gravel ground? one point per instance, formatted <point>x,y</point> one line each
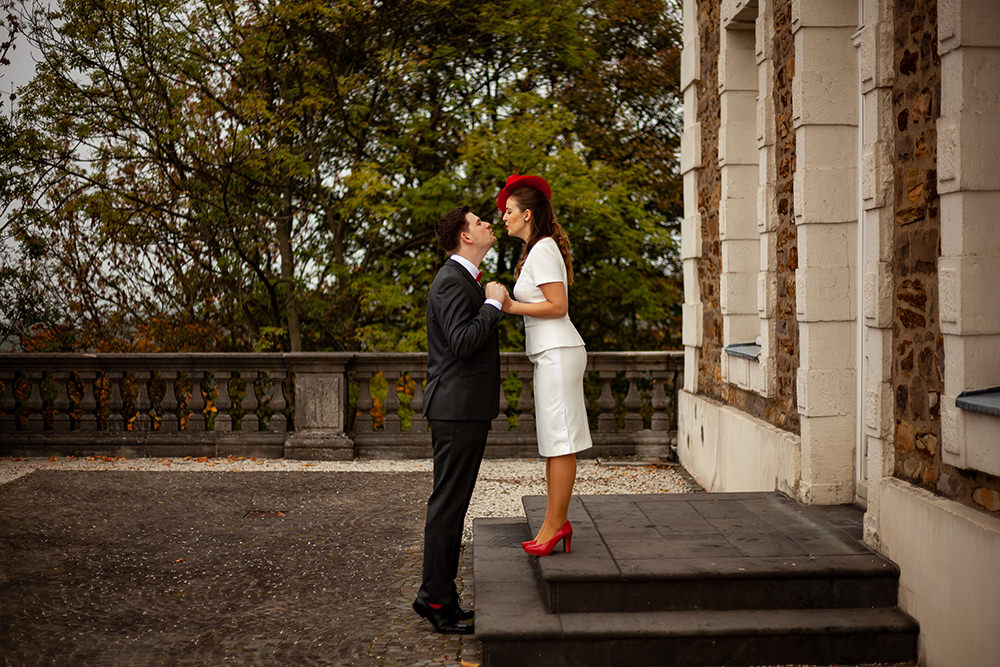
<point>501,482</point>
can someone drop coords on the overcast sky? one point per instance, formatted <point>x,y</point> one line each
<point>19,72</point>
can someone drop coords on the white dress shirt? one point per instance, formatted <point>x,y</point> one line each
<point>474,271</point>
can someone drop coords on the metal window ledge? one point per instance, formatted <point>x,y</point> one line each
<point>746,350</point>
<point>986,401</point>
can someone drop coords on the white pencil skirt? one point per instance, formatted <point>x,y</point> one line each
<point>560,406</point>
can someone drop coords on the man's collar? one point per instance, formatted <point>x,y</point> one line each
<point>469,266</point>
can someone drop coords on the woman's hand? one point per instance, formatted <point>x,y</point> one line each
<point>508,303</point>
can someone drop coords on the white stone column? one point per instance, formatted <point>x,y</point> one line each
<point>876,75</point>
<point>969,187</point>
<point>764,376</point>
<point>691,225</point>
<point>824,99</point>
<point>738,170</point>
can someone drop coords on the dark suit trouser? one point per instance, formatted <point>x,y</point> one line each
<point>458,451</point>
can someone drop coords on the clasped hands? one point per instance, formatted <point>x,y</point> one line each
<point>496,291</point>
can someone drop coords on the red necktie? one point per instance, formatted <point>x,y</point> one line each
<point>478,276</point>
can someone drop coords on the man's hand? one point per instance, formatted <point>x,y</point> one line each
<point>496,291</point>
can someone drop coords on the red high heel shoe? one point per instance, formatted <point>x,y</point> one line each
<point>545,548</point>
<point>524,544</point>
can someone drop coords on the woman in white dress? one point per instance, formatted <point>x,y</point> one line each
<point>541,295</point>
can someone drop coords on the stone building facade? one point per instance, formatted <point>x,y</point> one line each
<point>840,249</point>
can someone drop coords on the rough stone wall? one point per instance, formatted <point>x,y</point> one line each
<point>918,346</point>
<point>780,411</point>
<point>709,194</point>
<point>787,328</point>
<point>917,372</point>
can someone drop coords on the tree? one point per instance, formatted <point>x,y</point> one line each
<point>22,301</point>
<point>240,174</point>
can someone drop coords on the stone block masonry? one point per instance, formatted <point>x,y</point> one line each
<point>918,346</point>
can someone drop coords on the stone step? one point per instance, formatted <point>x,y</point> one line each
<point>515,626</point>
<point>695,579</point>
<point>678,552</point>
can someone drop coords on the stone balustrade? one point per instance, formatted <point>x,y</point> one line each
<point>322,406</point>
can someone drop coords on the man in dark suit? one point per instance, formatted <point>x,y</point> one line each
<point>461,399</point>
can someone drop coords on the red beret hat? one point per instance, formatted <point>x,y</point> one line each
<point>515,181</point>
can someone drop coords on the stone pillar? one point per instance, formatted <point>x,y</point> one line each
<point>969,186</point>
<point>876,73</point>
<point>764,377</point>
<point>320,408</point>
<point>691,237</point>
<point>738,169</point>
<point>825,116</point>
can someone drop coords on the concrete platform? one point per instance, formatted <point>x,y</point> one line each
<point>695,579</point>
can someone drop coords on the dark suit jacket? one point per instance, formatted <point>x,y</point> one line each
<point>463,354</point>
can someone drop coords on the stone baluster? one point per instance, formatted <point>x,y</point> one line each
<point>142,402</point>
<point>418,424</point>
<point>88,401</point>
<point>33,403</point>
<point>502,423</point>
<point>223,404</point>
<point>633,420</point>
<point>525,404</point>
<point>8,402</point>
<point>606,403</point>
<point>277,423</point>
<point>196,402</point>
<point>391,402</point>
<point>127,389</point>
<point>168,404</point>
<point>116,423</point>
<point>250,422</point>
<point>61,404</point>
<point>661,419</point>
<point>364,422</point>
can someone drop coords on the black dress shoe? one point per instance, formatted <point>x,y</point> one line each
<point>444,619</point>
<point>462,614</point>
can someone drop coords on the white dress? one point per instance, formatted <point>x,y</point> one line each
<point>558,354</point>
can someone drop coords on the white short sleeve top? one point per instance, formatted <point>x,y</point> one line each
<point>544,264</point>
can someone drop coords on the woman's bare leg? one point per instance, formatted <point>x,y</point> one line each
<point>560,474</point>
<point>548,494</point>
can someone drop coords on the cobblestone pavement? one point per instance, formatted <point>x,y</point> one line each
<point>207,568</point>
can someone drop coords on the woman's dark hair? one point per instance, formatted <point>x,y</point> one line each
<point>450,227</point>
<point>543,224</point>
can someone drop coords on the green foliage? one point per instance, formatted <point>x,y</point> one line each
<point>254,174</point>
